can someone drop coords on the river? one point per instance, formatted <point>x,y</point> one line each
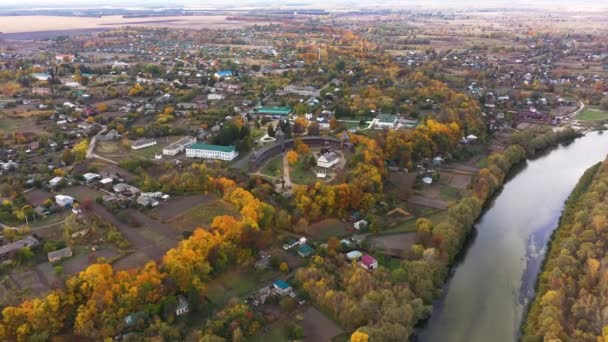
<point>486,297</point>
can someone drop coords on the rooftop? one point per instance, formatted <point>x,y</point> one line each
<point>273,110</point>
<point>281,284</point>
<point>219,148</point>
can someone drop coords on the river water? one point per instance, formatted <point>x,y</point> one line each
<point>486,297</point>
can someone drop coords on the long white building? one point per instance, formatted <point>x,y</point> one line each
<point>200,150</point>
<point>178,146</point>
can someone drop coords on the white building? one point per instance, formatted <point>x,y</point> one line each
<point>298,90</point>
<point>142,143</point>
<point>64,200</point>
<point>182,306</point>
<point>178,146</point>
<point>200,150</point>
<point>328,160</point>
<point>90,177</point>
<point>55,181</point>
<point>385,121</point>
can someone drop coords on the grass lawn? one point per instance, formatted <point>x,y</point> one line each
<point>237,283</point>
<point>321,231</point>
<point>277,333</point>
<point>301,176</point>
<point>7,124</point>
<point>274,167</point>
<point>449,193</point>
<point>409,226</point>
<point>593,114</point>
<point>349,124</point>
<point>202,215</point>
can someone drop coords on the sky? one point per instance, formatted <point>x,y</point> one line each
<point>219,4</point>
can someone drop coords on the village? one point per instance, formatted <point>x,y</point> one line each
<point>116,148</point>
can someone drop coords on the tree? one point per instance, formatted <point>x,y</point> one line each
<point>284,267</point>
<point>292,157</point>
<point>359,336</point>
<point>102,107</point>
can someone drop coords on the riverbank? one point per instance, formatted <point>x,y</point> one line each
<point>489,184</point>
<point>569,289</point>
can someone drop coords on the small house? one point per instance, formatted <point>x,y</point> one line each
<point>55,181</point>
<point>142,143</point>
<point>60,254</point>
<point>90,177</point>
<point>328,160</point>
<point>182,306</point>
<point>63,200</point>
<point>305,250</point>
<point>368,262</point>
<point>361,224</point>
<point>281,287</point>
<point>353,255</point>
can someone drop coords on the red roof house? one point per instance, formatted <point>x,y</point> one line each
<point>368,262</point>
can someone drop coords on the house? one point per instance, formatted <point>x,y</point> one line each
<point>223,74</point>
<point>302,91</point>
<point>60,254</point>
<point>215,97</point>
<point>182,306</point>
<point>125,189</point>
<point>60,57</point>
<point>353,255</point>
<point>55,181</point>
<point>41,76</point>
<point>142,143</point>
<point>43,91</point>
<point>361,224</point>
<point>179,146</point>
<point>90,177</point>
<point>147,201</point>
<point>368,262</point>
<point>385,121</point>
<point>328,160</point>
<point>207,151</point>
<point>273,111</point>
<point>111,135</point>
<point>281,287</point>
<point>63,200</point>
<point>305,250</point>
<point>8,250</point>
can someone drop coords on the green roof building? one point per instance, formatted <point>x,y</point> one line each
<point>275,111</point>
<point>208,151</point>
<point>305,250</point>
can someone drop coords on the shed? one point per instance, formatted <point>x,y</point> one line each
<point>305,250</point>
<point>353,255</point>
<point>282,287</point>
<point>60,254</point>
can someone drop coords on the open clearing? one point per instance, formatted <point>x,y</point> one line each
<point>321,231</point>
<point>190,212</point>
<point>318,327</point>
<point>37,23</point>
<point>237,284</point>
<point>593,114</point>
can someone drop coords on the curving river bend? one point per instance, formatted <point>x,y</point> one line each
<point>486,297</point>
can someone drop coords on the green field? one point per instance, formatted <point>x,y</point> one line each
<point>301,176</point>
<point>277,333</point>
<point>321,231</point>
<point>273,168</point>
<point>237,284</point>
<point>202,215</point>
<point>409,226</point>
<point>449,193</point>
<point>593,114</point>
